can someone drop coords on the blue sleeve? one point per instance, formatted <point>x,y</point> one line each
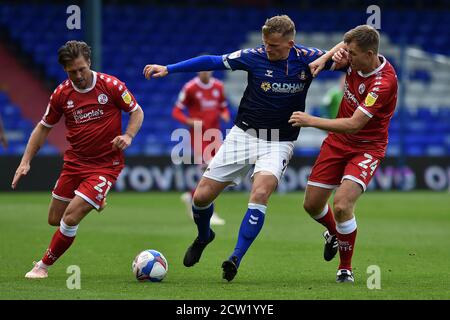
<point>239,60</point>
<point>202,63</point>
<point>311,54</point>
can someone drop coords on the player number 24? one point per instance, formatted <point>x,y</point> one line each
<point>369,163</point>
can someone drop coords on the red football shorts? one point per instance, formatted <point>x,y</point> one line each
<point>92,187</point>
<point>337,162</point>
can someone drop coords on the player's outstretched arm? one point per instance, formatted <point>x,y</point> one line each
<point>134,124</point>
<point>36,141</point>
<point>341,125</point>
<point>155,71</point>
<point>202,63</point>
<point>317,65</point>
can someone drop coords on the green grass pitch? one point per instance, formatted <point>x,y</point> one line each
<point>406,234</point>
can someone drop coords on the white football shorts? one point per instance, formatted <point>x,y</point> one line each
<point>241,151</point>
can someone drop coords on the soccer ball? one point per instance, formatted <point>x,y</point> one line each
<point>150,265</point>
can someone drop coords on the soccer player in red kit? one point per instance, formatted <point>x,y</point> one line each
<point>202,103</point>
<point>356,144</point>
<point>91,103</point>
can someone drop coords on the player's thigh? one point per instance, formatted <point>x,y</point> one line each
<point>56,211</point>
<point>65,186</point>
<point>264,184</point>
<point>316,199</point>
<point>233,160</point>
<point>329,167</point>
<point>272,159</point>
<point>77,209</point>
<point>345,199</point>
<point>207,191</point>
<point>62,194</point>
<point>361,169</point>
<point>95,187</point>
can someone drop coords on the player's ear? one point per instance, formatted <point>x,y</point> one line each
<point>89,63</point>
<point>291,43</point>
<point>370,53</point>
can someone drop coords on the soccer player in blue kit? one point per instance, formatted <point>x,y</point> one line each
<point>278,80</point>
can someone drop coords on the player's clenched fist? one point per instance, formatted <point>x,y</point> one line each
<point>21,171</point>
<point>300,119</point>
<point>316,66</point>
<point>341,57</point>
<point>154,71</point>
<point>121,142</point>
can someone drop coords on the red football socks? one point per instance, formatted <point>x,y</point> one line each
<point>59,244</point>
<point>346,246</point>
<point>328,221</point>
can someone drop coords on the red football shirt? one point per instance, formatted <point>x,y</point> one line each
<point>93,119</point>
<point>375,94</point>
<point>203,101</point>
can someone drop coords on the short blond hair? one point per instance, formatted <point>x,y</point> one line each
<point>279,24</point>
<point>365,36</point>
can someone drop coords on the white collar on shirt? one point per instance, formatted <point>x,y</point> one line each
<point>94,81</point>
<point>381,66</point>
<point>204,85</point>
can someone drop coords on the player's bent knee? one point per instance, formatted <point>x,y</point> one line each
<point>201,198</point>
<point>70,220</point>
<point>311,208</point>
<point>73,216</point>
<point>342,210</point>
<point>54,217</point>
<point>260,195</point>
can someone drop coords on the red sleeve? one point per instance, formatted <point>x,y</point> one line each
<point>54,110</point>
<point>178,114</point>
<point>377,97</point>
<point>122,97</point>
<point>184,97</point>
<point>225,112</point>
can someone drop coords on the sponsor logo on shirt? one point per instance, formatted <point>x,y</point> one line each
<point>265,86</point>
<point>80,117</point>
<point>282,87</point>
<point>350,96</point>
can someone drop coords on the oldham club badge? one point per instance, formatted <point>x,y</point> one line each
<point>126,97</point>
<point>371,99</point>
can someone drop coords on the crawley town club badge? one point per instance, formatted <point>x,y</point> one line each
<point>102,98</point>
<point>361,88</point>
